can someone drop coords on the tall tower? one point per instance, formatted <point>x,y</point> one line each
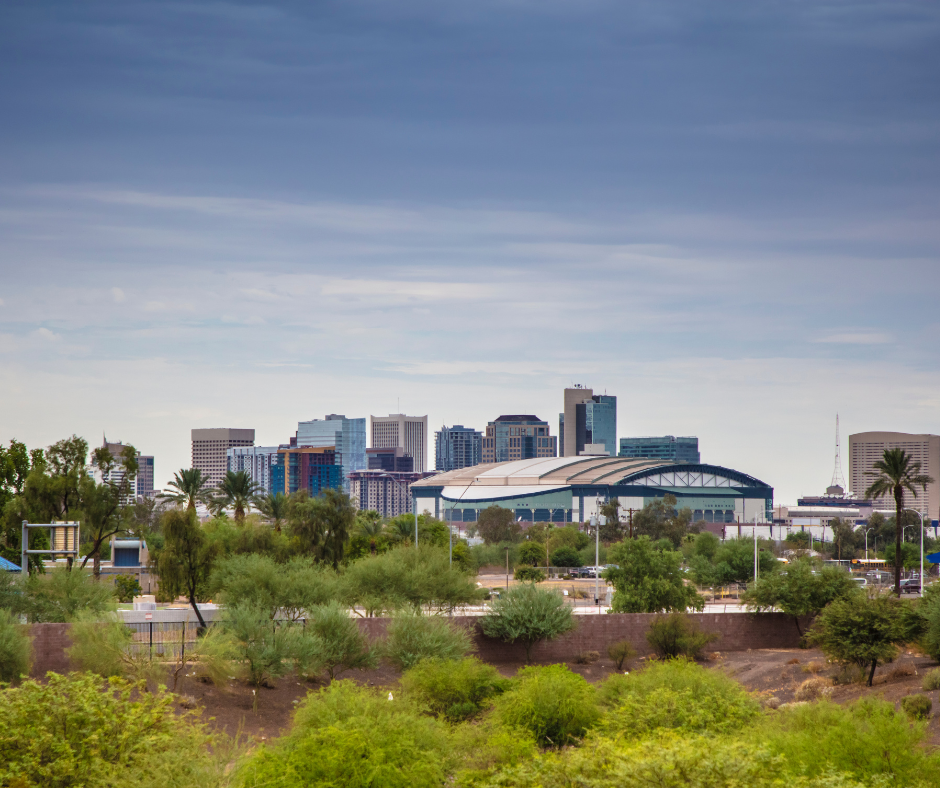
<point>838,485</point>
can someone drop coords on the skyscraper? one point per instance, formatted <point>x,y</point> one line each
<point>143,483</point>
<point>666,447</point>
<point>347,436</point>
<point>518,438</point>
<point>256,460</point>
<point>457,447</point>
<point>588,420</point>
<point>400,431</point>
<point>210,447</point>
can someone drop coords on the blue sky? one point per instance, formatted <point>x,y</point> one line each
<point>227,214</point>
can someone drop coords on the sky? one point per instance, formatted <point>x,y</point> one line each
<point>245,215</point>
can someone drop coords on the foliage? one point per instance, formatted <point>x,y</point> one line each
<point>351,736</point>
<point>621,652</point>
<point>528,574</point>
<point>274,507</point>
<point>649,578</point>
<point>676,635</point>
<point>917,707</point>
<point>910,555</point>
<point>843,536</point>
<point>189,486</point>
<point>731,561</point>
<point>496,524</point>
<point>186,560</point>
<point>612,529</point>
<point>528,614</point>
<point>484,745</point>
<point>859,630</point>
<point>126,587</point>
<point>266,647</point>
<point>288,590</point>
<point>676,694</point>
<point>567,536</point>
<point>239,491</point>
<point>659,519</point>
<point>931,680</point>
<point>494,555</point>
<point>322,525</point>
<point>16,648</point>
<point>61,594</point>
<point>332,641</point>
<point>555,705</point>
<point>104,645</point>
<point>565,556</point>
<point>412,637</point>
<point>802,590</point>
<point>78,731</point>
<point>102,503</point>
<point>530,554</point>
<point>454,689</point>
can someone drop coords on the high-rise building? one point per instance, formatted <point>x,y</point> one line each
<point>457,447</point>
<point>256,460</point>
<point>866,448</point>
<point>210,447</point>
<point>386,492</point>
<point>518,438</point>
<point>310,468</point>
<point>666,447</point>
<point>346,436</point>
<point>588,420</point>
<point>396,460</point>
<point>143,483</point>
<point>400,431</point>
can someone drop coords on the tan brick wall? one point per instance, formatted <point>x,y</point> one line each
<point>49,644</point>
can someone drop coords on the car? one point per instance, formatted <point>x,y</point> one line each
<point>861,581</point>
<point>910,586</point>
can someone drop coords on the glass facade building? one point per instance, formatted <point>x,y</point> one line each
<point>313,469</point>
<point>666,447</point>
<point>518,438</point>
<point>346,436</point>
<point>457,447</point>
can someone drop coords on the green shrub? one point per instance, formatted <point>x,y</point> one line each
<point>484,745</point>
<point>266,648</point>
<point>932,680</point>
<point>455,689</point>
<point>126,588</point>
<point>677,694</point>
<point>529,614</point>
<point>59,595</point>
<point>621,652</point>
<point>105,646</point>
<point>412,637</point>
<point>332,641</point>
<point>676,635</point>
<point>355,737</point>
<point>566,556</point>
<point>555,705</point>
<point>80,731</point>
<point>528,574</point>
<point>917,707</point>
<point>16,649</point>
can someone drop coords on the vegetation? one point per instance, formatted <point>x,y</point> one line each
<point>676,635</point>
<point>496,524</point>
<point>16,649</point>
<point>412,637</point>
<point>189,487</point>
<point>186,560</point>
<point>716,563</point>
<point>650,578</point>
<point>322,525</point>
<point>917,707</point>
<point>331,641</point>
<point>60,595</point>
<point>528,614</point>
<point>566,556</point>
<point>239,491</point>
<point>126,587</point>
<point>266,648</point>
<point>660,519</point>
<point>621,652</point>
<point>454,689</point>
<point>528,574</point>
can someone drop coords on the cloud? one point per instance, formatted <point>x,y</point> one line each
<point>118,295</point>
<point>46,334</point>
<point>856,338</point>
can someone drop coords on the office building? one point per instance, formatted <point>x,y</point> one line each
<point>346,436</point>
<point>405,432</point>
<point>666,447</point>
<point>457,447</point>
<point>386,492</point>
<point>518,438</point>
<point>210,447</point>
<point>395,460</point>
<point>587,419</point>
<point>256,461</point>
<point>142,486</point>
<point>310,468</point>
<point>866,448</point>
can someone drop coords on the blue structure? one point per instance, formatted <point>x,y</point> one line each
<point>457,447</point>
<point>665,448</point>
<point>8,566</point>
<point>347,436</point>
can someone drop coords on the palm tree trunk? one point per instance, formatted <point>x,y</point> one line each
<point>898,530</point>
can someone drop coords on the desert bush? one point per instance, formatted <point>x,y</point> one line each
<point>355,737</point>
<point>455,689</point>
<point>555,705</point>
<point>59,595</point>
<point>265,648</point>
<point>621,652</point>
<point>566,556</point>
<point>814,667</point>
<point>412,637</point>
<point>813,689</point>
<point>586,657</point>
<point>528,574</point>
<point>105,646</point>
<point>530,554</point>
<point>529,614</point>
<point>79,730</point>
<point>677,694</point>
<point>126,588</point>
<point>483,745</point>
<point>917,707</point>
<point>332,641</point>
<point>676,635</point>
<point>932,680</point>
<point>16,649</point>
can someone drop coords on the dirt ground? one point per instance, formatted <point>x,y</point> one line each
<point>771,672</point>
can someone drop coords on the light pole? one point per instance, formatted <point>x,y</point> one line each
<point>921,578</point>
<point>596,522</point>
<point>866,542</point>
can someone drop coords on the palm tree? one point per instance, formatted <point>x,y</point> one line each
<point>238,489</point>
<point>400,530</point>
<point>191,488</point>
<point>894,473</point>
<point>369,525</point>
<point>274,507</point>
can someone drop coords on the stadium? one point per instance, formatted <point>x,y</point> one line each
<point>571,489</point>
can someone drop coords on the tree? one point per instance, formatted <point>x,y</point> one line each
<point>894,473</point>
<point>369,526</point>
<point>332,641</point>
<point>16,649</point>
<point>497,524</point>
<point>191,488</point>
<point>910,555</point>
<point>412,637</point>
<point>239,491</point>
<point>860,630</point>
<point>266,648</point>
<point>612,529</point>
<point>186,560</point>
<point>528,614</point>
<point>843,534</point>
<point>731,562</point>
<point>274,507</point>
<point>58,596</point>
<point>530,554</point>
<point>102,503</point>
<point>649,578</point>
<point>323,524</point>
<point>802,590</point>
<point>66,461</point>
<point>566,557</point>
<point>660,519</point>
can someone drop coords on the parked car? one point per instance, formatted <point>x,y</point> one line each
<point>910,586</point>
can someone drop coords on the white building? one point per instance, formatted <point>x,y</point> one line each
<point>400,431</point>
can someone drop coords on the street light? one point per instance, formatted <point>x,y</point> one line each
<point>921,578</point>
<point>866,541</point>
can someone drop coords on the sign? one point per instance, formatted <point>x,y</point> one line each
<point>148,616</point>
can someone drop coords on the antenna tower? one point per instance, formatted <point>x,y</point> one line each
<point>838,480</point>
